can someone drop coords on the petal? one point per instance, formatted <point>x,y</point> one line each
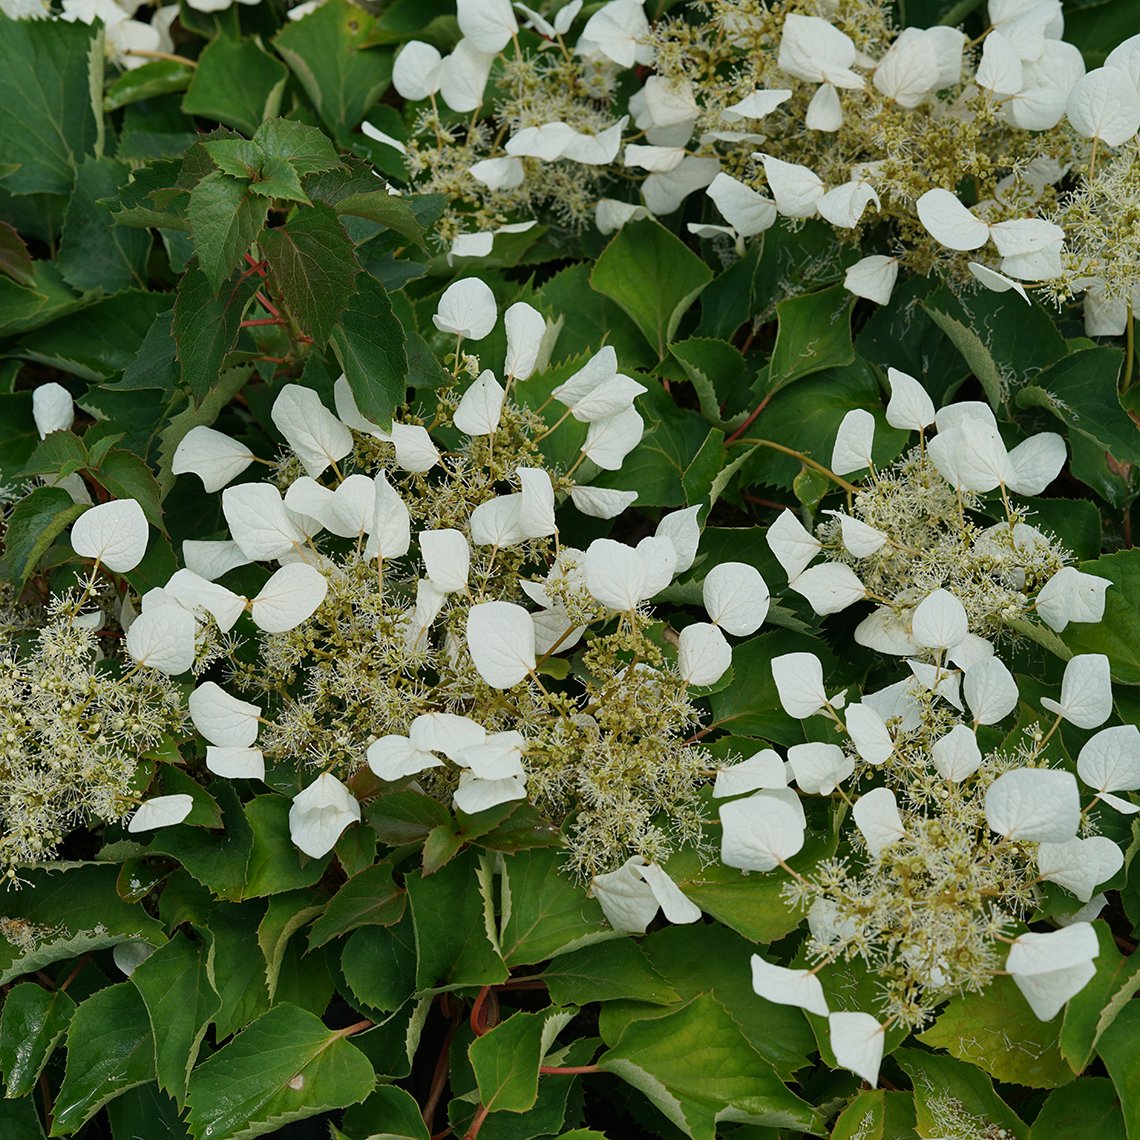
<point>115,533</point>
<point>736,598</point>
<point>467,308</point>
<point>500,637</point>
<point>1040,805</point>
<point>291,596</point>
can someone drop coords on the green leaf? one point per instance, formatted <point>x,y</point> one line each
<point>306,149</point>
<point>275,865</point>
<point>286,1066</point>
<point>999,1033</point>
<point>607,972</point>
<point>779,1033</point>
<point>15,260</point>
<point>389,1108</point>
<point>451,924</point>
<point>311,267</point>
<point>145,1111</point>
<point>239,158</point>
<point>159,77</point>
<point>206,328</point>
<point>717,372</point>
<point>1119,1049</point>
<point>94,253</point>
<point>326,53</point>
<point>387,209</point>
<point>379,964</point>
<point>952,1096</point>
<point>279,180</point>
<point>1091,1011</point>
<point>98,340</point>
<point>225,220</point>
<point>1080,391</point>
<point>369,898</point>
<point>286,915</point>
<point>813,333</point>
<point>653,276</point>
<point>33,1022</point>
<point>370,345</point>
<point>877,1115</point>
<point>1087,1107</point>
<point>1117,634</point>
<point>59,453</point>
<point>18,305</point>
<point>177,987</point>
<point>51,78</point>
<point>36,521</point>
<point>125,476</point>
<point>545,913</point>
<point>240,983</point>
<point>109,1050</point>
<point>236,83</point>
<point>506,1060</point>
<point>697,1067</point>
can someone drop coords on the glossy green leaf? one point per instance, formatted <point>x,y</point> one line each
<point>33,1022</point>
<point>698,1068</point>
<point>225,220</point>
<point>813,333</point>
<point>285,915</point>
<point>275,864</point>
<point>875,1114</point>
<point>998,1032</point>
<point>177,987</point>
<point>506,1060</point>
<point>286,1066</point>
<point>236,83</point>
<point>951,1095</point>
<point>15,260</point>
<point>609,971</point>
<point>379,964</point>
<point>369,898</point>
<point>158,77</point>
<point>1087,1107</point>
<point>1119,1049</point>
<point>653,276</point>
<point>109,1050</point>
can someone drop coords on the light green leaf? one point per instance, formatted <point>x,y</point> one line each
<point>275,864</point>
<point>1119,1049</point>
<point>813,333</point>
<point>236,83</point>
<point>306,149</point>
<point>286,915</point>
<point>610,971</point>
<point>286,1066</point>
<point>326,53</point>
<point>653,276</point>
<point>998,1032</point>
<point>544,912</point>
<point>452,946</point>
<point>177,987</point>
<point>33,1022</point>
<point>389,1113</point>
<point>875,1114</point>
<point>506,1060</point>
<point>109,1050</point>
<point>1087,1107</point>
<point>159,77</point>
<point>697,1067</point>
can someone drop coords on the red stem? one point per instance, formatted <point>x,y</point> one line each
<point>748,422</point>
<point>262,321</point>
<point>480,1115</point>
<point>567,1070</point>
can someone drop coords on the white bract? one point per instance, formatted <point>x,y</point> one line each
<point>315,435</point>
<point>224,720</point>
<point>1086,691</point>
<point>291,596</point>
<point>736,598</point>
<point>761,831</point>
<point>1110,762</point>
<point>500,637</point>
<point>467,308</point>
<point>113,533</point>
<point>799,988</point>
<point>857,1042</point>
<point>1041,805</point>
<point>161,811</point>
<point>703,654</point>
<point>632,895</point>
<point>320,814</point>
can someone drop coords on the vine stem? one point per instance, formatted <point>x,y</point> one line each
<point>751,441</point>
<point>477,1123</point>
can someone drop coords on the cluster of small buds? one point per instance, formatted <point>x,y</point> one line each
<point>419,596</point>
<point>894,120</point>
<point>950,840</point>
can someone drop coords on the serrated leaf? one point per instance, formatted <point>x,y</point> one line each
<point>545,913</point>
<point>225,220</point>
<point>306,149</point>
<point>36,521</point>
<point>59,453</point>
<point>697,1068</point>
<point>239,158</point>
<point>1119,1049</point>
<point>177,987</point>
<point>311,268</point>
<point>653,276</point>
<point>387,209</point>
<point>286,1066</point>
<point>611,971</point>
<point>506,1060</point>
<point>237,83</point>
<point>452,946</point>
<point>33,1022</point>
<point>875,1114</point>
<point>109,1050</point>
<point>125,476</point>
<point>206,327</point>
<point>285,915</point>
<point>1087,1107</point>
<point>159,77</point>
<point>277,179</point>
<point>240,984</point>
<point>369,898</point>
<point>275,864</point>
<point>379,964</point>
<point>51,79</point>
<point>370,344</point>
<point>15,260</point>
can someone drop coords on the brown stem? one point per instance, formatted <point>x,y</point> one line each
<point>567,1070</point>
<point>439,1079</point>
<point>74,973</point>
<point>481,1114</point>
<point>750,421</point>
<point>358,1027</point>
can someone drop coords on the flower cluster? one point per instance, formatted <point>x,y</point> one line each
<point>798,109</point>
<point>424,626</point>
<point>955,825</point>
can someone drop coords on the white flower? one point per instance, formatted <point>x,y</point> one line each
<point>52,406</point>
<point>417,71</point>
<point>631,896</point>
<point>812,49</point>
<point>857,1042</point>
<point>113,533</point>
<point>161,811</point>
<point>736,598</point>
<point>213,457</point>
<point>500,637</point>
<point>467,308</point>
<point>703,654</point>
<point>778,984</point>
<point>1086,691</point>
<point>618,30</point>
<point>761,831</point>
<point>317,437</point>
<point>1071,595</point>
<point>1109,761</point>
<point>873,277</point>
<point>1041,805</point>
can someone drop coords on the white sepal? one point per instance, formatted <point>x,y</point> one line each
<point>819,768</point>
<point>799,683</point>
<point>1041,805</point>
<point>990,691</point>
<point>857,1042</point>
<point>799,988</point>
<point>736,598</point>
<point>1080,865</point>
<point>829,587</point>
<point>162,811</point>
<point>949,222</point>
<point>236,763</point>
<point>956,754</point>
<point>760,832</point>
<point>703,654</point>
<point>873,277</point>
<point>467,308</point>
<point>876,815</point>
<point>1086,691</point>
<point>526,329</point>
<point>223,719</point>
<point>162,638</point>
<point>1109,761</point>
<point>853,442</point>
<point>447,558</point>
<point>316,436</point>
<point>500,637</point>
<point>792,543</point>
<point>909,408</point>
<point>764,770</point>
<point>939,621</point>
<point>481,406</point>
<point>291,596</point>
<point>212,456</point>
<point>869,733</point>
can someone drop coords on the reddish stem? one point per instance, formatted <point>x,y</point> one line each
<point>439,1079</point>
<point>262,321</point>
<point>748,422</point>
<point>478,1018</point>
<point>255,266</point>
<point>567,1070</point>
<point>481,1114</point>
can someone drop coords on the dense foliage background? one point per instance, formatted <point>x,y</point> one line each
<point>181,239</point>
